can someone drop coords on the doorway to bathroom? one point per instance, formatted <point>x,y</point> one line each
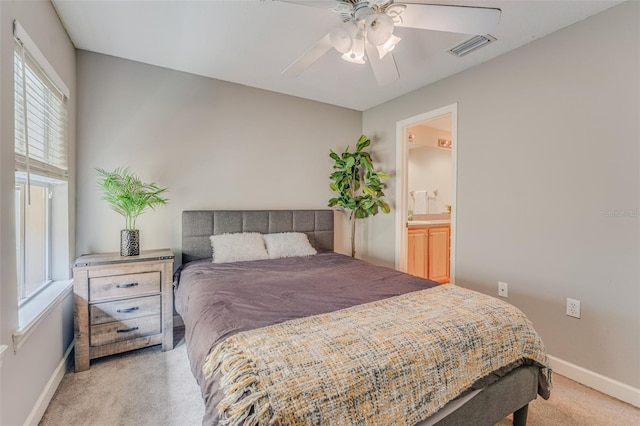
<point>426,153</point>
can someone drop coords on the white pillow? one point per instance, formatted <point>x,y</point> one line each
<point>288,244</point>
<point>238,247</point>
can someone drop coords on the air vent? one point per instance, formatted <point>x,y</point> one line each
<point>472,44</point>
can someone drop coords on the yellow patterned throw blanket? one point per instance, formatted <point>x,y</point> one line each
<point>394,361</point>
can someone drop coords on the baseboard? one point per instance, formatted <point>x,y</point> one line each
<point>47,393</point>
<point>596,381</point>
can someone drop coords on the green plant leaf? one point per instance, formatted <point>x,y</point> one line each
<point>128,195</point>
<point>367,163</point>
<point>361,213</point>
<point>363,142</point>
<point>349,162</point>
<point>367,204</point>
<point>374,186</point>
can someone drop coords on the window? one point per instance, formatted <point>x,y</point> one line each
<point>33,236</point>
<point>41,210</point>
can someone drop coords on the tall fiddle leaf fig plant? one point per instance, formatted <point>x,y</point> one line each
<point>358,185</point>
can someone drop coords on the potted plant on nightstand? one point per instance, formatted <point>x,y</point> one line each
<point>130,197</point>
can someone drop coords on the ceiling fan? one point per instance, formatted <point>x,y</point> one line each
<point>366,31</point>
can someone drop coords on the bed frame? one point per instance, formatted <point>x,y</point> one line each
<point>511,394</point>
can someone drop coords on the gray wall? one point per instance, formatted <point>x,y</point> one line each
<point>213,144</point>
<point>548,147</point>
<point>24,375</point>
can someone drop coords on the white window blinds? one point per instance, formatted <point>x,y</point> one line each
<point>40,118</point>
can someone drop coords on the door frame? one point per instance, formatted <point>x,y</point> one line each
<point>402,185</point>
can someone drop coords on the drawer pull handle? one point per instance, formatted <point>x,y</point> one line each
<point>126,285</point>
<point>127,310</point>
<point>126,330</point>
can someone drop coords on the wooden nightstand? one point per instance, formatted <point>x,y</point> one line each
<point>122,303</point>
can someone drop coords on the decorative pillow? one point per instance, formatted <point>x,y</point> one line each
<point>238,247</point>
<point>288,244</point>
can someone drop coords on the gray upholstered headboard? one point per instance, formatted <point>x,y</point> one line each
<point>199,225</point>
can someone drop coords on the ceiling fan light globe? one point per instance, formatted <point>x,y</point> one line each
<point>358,44</point>
<point>341,36</point>
<point>379,28</point>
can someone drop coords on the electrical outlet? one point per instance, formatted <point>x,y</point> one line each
<point>573,308</point>
<point>503,289</point>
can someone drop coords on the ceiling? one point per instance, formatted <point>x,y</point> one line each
<point>439,123</point>
<point>442,123</point>
<point>251,42</point>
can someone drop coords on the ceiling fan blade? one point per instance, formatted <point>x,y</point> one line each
<point>384,69</point>
<point>317,50</point>
<point>453,19</point>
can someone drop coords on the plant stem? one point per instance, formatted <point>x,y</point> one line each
<point>352,194</point>
<point>353,234</point>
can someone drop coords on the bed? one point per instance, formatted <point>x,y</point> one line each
<point>283,303</point>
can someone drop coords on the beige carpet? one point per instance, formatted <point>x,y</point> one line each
<point>572,404</point>
<point>143,387</point>
<point>151,387</point>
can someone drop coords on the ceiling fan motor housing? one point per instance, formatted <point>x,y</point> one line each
<point>361,10</point>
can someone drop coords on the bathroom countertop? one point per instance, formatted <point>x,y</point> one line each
<point>414,223</point>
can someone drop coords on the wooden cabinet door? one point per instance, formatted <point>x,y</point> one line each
<point>417,253</point>
<point>438,248</point>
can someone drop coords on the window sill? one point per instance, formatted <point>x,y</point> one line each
<point>32,313</point>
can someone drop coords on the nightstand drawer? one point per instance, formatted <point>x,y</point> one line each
<point>124,309</point>
<point>116,286</point>
<point>117,331</point>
